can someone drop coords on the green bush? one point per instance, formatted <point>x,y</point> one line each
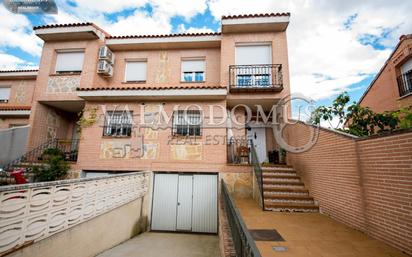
<point>54,166</point>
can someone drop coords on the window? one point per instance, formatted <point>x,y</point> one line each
<point>4,94</point>
<point>118,124</point>
<point>193,70</point>
<point>69,61</point>
<point>253,65</point>
<point>136,71</point>
<point>253,54</point>
<point>187,123</point>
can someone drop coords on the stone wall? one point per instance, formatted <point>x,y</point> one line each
<point>239,184</point>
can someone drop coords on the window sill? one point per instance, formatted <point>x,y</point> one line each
<point>192,82</point>
<point>134,82</point>
<point>65,74</point>
<point>116,137</point>
<point>182,136</point>
<point>405,96</point>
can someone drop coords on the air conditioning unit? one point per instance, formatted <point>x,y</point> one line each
<point>105,68</point>
<point>106,54</point>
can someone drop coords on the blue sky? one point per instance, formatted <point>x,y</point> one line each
<point>333,46</point>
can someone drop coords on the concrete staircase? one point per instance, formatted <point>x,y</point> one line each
<point>284,191</point>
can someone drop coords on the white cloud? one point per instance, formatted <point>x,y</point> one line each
<point>16,31</point>
<point>108,6</point>
<point>11,62</point>
<point>182,29</point>
<point>319,44</point>
<point>141,24</point>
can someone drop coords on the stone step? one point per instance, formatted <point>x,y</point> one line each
<point>276,166</point>
<point>280,179</point>
<point>288,197</point>
<point>279,174</point>
<point>277,169</point>
<point>274,190</point>
<point>282,193</point>
<point>282,183</point>
<point>291,207</point>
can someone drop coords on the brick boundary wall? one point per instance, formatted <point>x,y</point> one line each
<point>365,183</point>
<point>226,246</point>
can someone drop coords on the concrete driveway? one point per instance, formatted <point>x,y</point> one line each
<point>153,244</point>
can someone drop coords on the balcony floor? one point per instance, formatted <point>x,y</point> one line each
<point>311,234</point>
<point>151,244</point>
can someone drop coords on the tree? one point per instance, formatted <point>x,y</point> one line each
<point>359,120</point>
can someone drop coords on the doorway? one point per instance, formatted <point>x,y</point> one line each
<point>258,138</point>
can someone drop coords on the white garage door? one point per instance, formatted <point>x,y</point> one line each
<point>185,202</point>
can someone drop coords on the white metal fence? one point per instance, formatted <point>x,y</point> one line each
<point>29,213</point>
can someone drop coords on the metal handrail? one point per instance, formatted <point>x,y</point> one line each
<point>68,147</point>
<point>257,170</point>
<point>244,244</point>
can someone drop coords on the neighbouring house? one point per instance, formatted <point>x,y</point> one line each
<point>392,87</point>
<point>16,97</point>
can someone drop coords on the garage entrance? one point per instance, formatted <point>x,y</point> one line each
<point>185,202</point>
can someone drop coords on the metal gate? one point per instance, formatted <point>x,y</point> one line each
<point>185,202</point>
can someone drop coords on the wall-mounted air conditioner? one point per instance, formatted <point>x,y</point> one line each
<point>104,68</point>
<point>106,54</point>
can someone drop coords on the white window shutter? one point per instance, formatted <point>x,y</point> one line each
<point>4,93</point>
<point>407,66</point>
<point>69,61</point>
<point>193,65</point>
<point>253,54</point>
<point>136,71</point>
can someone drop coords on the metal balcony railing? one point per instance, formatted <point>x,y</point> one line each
<point>258,77</point>
<point>405,83</point>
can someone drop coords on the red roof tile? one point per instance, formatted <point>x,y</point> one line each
<point>48,26</point>
<point>152,88</point>
<point>240,16</point>
<point>15,108</point>
<point>6,71</point>
<point>80,24</point>
<point>168,35</point>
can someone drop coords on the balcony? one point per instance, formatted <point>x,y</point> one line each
<point>255,78</point>
<point>405,83</point>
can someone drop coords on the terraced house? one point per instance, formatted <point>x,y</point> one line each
<point>162,133</point>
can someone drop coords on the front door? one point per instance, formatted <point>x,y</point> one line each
<point>258,137</point>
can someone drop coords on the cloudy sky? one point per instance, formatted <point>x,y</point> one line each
<point>334,45</point>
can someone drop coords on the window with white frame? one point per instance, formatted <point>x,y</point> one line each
<point>193,70</point>
<point>187,123</point>
<point>4,94</point>
<point>118,124</point>
<point>136,71</point>
<point>69,61</point>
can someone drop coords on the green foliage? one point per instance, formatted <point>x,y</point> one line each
<point>361,121</point>
<point>87,120</point>
<point>53,168</point>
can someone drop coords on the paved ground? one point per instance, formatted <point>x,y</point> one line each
<point>151,244</point>
<point>311,234</point>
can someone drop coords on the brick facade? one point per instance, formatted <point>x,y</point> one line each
<point>383,93</point>
<point>364,183</point>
